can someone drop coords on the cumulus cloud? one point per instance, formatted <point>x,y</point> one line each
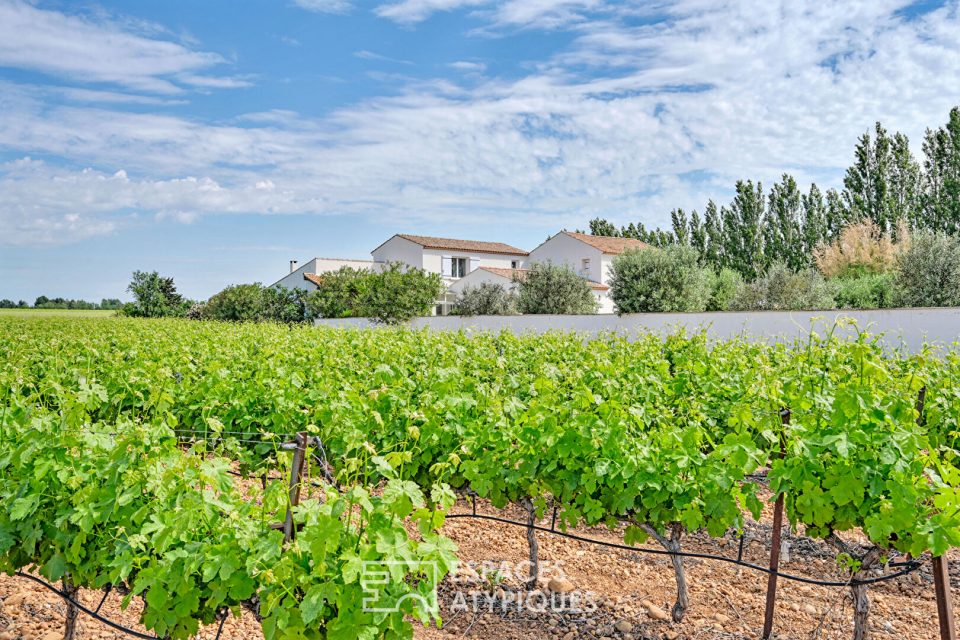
<point>640,113</point>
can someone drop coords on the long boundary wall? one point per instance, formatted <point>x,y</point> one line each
<point>910,328</point>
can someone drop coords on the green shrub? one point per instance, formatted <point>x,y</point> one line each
<point>154,297</point>
<point>488,299</point>
<point>340,294</point>
<point>551,288</point>
<point>928,272</point>
<point>781,289</point>
<point>399,293</point>
<point>236,303</point>
<point>868,291</point>
<point>668,279</point>
<point>726,287</point>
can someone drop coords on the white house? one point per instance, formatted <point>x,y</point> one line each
<point>463,263</point>
<point>508,279</point>
<point>452,259</point>
<point>303,276</point>
<point>590,256</point>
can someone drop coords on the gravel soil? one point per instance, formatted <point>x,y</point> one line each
<point>610,593</point>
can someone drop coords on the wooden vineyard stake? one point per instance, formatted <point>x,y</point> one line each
<point>775,542</point>
<point>296,470</point>
<point>941,574</point>
<point>941,582</point>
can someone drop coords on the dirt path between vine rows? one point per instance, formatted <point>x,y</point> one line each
<point>621,593</point>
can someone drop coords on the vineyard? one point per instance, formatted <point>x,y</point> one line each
<point>122,443</point>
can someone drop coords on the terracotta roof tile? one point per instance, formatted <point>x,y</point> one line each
<point>429,242</point>
<point>608,244</point>
<point>520,274</point>
<point>314,278</point>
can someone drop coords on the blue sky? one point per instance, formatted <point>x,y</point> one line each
<point>215,141</point>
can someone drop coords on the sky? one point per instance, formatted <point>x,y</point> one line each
<point>215,141</point>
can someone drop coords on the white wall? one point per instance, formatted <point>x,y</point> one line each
<point>606,302</point>
<point>398,249</point>
<point>476,278</point>
<point>563,249</point>
<point>907,328</point>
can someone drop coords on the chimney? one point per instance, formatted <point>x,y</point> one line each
<point>293,265</point>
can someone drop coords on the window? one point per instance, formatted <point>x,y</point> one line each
<point>585,264</point>
<point>514,264</point>
<point>458,267</point>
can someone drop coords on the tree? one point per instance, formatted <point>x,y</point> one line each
<point>928,272</point>
<point>487,299</point>
<point>154,297</point>
<point>782,289</point>
<point>550,288</point>
<point>941,187</point>
<point>681,233</point>
<point>713,227</point>
<point>742,230</point>
<point>652,280</point>
<point>698,236</point>
<point>601,227</point>
<point>814,229</point>
<point>110,304</point>
<point>7,304</point>
<point>399,293</point>
<point>783,240</point>
<point>40,301</point>
<point>883,184</point>
<point>340,294</point>
<point>236,303</point>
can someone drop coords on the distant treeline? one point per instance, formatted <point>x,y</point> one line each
<point>885,184</point>
<point>43,302</point>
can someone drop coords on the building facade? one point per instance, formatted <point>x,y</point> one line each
<point>463,263</point>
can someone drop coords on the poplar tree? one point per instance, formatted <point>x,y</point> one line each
<point>781,230</point>
<point>941,188</point>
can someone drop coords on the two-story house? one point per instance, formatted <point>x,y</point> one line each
<point>451,258</point>
<point>467,263</point>
<point>590,256</point>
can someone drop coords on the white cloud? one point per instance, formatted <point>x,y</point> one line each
<point>468,66</point>
<point>80,50</point>
<point>413,11</point>
<point>325,6</point>
<point>363,54</point>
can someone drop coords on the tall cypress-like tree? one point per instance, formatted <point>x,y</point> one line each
<point>603,227</point>
<point>838,216</point>
<point>681,233</point>
<point>883,184</point>
<point>814,222</point>
<point>941,189</point>
<point>698,236</point>
<point>781,229</point>
<point>713,227</point>
<point>743,229</point>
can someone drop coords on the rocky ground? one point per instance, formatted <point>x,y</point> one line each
<point>595,591</point>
